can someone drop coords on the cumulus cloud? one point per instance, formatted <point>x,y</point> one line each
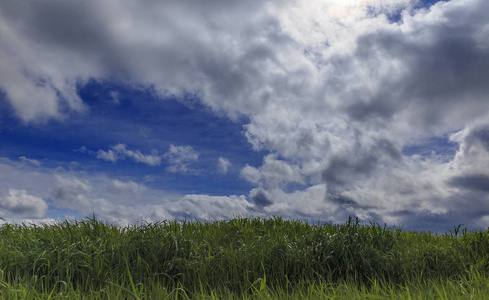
<point>206,207</point>
<point>72,192</point>
<point>334,90</point>
<point>179,158</point>
<point>113,199</point>
<point>34,77</point>
<point>19,204</point>
<point>223,165</point>
<point>124,187</point>
<point>467,174</point>
<point>31,161</point>
<point>120,151</point>
<point>109,155</point>
<point>75,193</point>
<point>273,173</point>
<point>385,85</point>
<point>49,47</point>
<point>81,195</point>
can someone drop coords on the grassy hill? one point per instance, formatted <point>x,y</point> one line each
<point>242,258</point>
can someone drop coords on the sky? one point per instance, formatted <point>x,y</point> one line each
<point>313,110</point>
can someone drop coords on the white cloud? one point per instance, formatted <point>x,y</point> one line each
<point>273,173</point>
<point>128,186</point>
<point>223,165</point>
<point>180,157</point>
<point>71,192</point>
<point>111,200</point>
<point>205,207</point>
<point>306,204</point>
<point>109,155</point>
<point>19,204</point>
<point>32,77</point>
<point>384,86</point>
<point>115,97</point>
<point>251,174</point>
<point>120,151</point>
<point>33,162</point>
<point>74,193</point>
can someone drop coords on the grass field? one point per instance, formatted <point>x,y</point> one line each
<point>242,258</point>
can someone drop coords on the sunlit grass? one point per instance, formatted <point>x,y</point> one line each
<point>242,258</point>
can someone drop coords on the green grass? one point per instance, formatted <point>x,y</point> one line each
<point>242,258</point>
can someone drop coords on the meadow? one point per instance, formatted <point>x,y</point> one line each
<point>241,258</point>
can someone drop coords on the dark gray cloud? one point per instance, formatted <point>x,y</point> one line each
<point>443,69</point>
<point>345,170</point>
<point>72,25</point>
<point>342,201</point>
<point>217,50</point>
<point>260,199</point>
<point>426,221</point>
<point>476,182</point>
<point>479,135</point>
<point>380,107</point>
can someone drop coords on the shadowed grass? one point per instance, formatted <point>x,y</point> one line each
<point>241,258</point>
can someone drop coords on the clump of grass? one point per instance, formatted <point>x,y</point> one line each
<point>249,258</point>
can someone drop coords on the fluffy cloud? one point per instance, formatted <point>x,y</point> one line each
<point>126,187</point>
<point>223,165</point>
<point>78,194</point>
<point>179,157</point>
<point>385,86</point>
<point>74,193</point>
<point>334,90</point>
<point>205,207</point>
<point>273,173</point>
<point>50,46</point>
<point>308,204</point>
<point>18,204</point>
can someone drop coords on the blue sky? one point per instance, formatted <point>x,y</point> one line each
<point>311,110</point>
<point>143,123</point>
